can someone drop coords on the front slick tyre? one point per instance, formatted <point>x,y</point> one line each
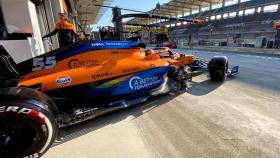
<point>218,67</point>
<point>26,130</point>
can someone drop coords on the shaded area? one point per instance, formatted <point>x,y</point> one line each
<point>198,88</point>
<point>75,131</point>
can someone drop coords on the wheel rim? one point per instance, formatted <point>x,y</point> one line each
<point>17,137</point>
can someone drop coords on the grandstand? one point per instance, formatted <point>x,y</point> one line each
<point>246,23</point>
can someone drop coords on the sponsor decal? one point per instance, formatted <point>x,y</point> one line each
<point>75,63</point>
<point>63,80</point>
<point>43,63</point>
<point>130,70</point>
<point>137,83</point>
<point>101,75</point>
<point>116,43</point>
<point>31,112</point>
<point>113,43</point>
<point>15,109</point>
<point>97,44</point>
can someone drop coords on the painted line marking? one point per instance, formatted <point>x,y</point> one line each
<point>229,54</point>
<point>261,57</point>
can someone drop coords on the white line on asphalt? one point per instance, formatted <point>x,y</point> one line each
<point>243,55</point>
<point>261,57</point>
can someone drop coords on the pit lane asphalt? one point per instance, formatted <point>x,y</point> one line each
<point>237,118</point>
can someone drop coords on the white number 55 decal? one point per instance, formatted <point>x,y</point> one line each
<point>40,63</point>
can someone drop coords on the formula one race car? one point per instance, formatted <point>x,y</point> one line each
<point>82,81</point>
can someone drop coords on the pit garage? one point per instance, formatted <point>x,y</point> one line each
<point>238,117</point>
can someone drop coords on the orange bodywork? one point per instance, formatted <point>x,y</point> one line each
<point>99,65</point>
<point>276,25</point>
<point>200,21</point>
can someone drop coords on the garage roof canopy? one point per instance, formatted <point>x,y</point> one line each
<point>88,12</point>
<point>177,7</point>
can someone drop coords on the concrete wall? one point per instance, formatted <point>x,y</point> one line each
<point>16,16</point>
<point>36,44</point>
<point>22,16</point>
<point>18,49</point>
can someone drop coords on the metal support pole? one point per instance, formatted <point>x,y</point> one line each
<point>118,22</point>
<point>256,10</point>
<point>262,9</point>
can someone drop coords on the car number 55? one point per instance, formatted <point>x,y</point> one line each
<point>43,63</point>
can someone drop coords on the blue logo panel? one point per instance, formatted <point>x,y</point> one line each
<point>99,45</point>
<point>142,81</point>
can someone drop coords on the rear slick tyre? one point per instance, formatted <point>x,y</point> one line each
<point>26,130</point>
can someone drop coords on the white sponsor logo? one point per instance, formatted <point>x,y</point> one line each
<point>15,109</point>
<point>110,44</point>
<point>137,83</point>
<point>63,80</point>
<point>97,44</point>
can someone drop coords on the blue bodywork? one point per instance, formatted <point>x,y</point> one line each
<point>142,81</point>
<point>138,82</point>
<point>101,45</point>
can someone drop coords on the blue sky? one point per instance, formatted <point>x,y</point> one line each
<point>141,5</point>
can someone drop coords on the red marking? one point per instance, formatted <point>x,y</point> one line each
<point>36,116</point>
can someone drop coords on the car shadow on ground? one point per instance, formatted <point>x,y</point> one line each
<point>80,129</point>
<point>203,88</point>
<point>206,86</point>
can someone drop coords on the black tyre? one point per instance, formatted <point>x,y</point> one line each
<point>27,124</point>
<point>218,67</point>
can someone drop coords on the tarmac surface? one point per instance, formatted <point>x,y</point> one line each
<point>235,119</point>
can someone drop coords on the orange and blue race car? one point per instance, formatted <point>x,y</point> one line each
<point>82,81</point>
